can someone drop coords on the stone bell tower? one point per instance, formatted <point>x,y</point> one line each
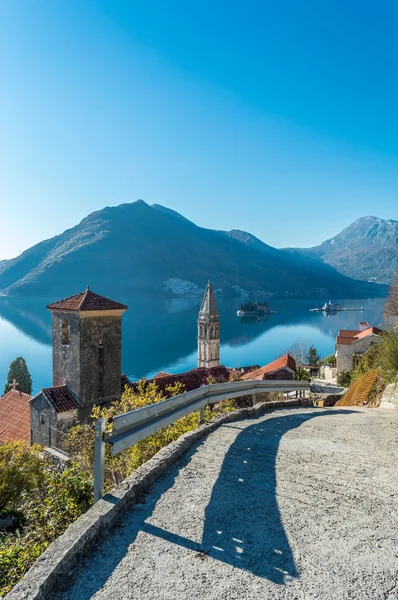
<point>87,347</point>
<point>208,331</point>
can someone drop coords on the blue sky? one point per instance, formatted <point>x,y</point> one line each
<point>279,118</point>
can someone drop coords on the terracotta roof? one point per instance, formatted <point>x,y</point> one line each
<point>190,379</point>
<point>284,362</point>
<point>347,336</point>
<point>125,381</point>
<point>87,301</point>
<point>15,417</point>
<point>61,398</point>
<point>161,374</point>
<point>209,306</point>
<point>369,331</point>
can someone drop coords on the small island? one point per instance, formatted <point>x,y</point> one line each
<point>254,309</point>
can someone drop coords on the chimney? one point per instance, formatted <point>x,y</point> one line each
<point>364,325</point>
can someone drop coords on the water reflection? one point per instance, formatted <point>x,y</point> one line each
<point>160,334</point>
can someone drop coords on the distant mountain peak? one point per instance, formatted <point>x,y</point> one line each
<point>367,250</point>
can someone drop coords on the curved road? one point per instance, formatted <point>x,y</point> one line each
<point>297,504</point>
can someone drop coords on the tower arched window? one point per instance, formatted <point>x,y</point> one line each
<point>65,332</point>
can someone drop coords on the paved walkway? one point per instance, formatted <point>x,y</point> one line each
<point>298,504</point>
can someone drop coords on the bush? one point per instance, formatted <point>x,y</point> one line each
<point>382,355</point>
<point>20,471</point>
<point>344,378</point>
<point>329,360</point>
<point>48,500</point>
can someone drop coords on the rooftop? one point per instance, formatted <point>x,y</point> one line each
<point>15,417</point>
<point>209,306</point>
<point>284,362</point>
<point>61,398</point>
<point>86,301</point>
<point>348,336</point>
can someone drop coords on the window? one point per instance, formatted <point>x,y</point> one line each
<point>65,332</point>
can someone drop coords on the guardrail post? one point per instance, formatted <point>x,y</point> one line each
<point>99,459</point>
<point>253,398</point>
<point>202,415</point>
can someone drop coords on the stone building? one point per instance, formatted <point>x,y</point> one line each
<point>352,344</point>
<point>86,344</point>
<point>208,331</point>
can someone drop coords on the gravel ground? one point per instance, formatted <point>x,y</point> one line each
<point>297,504</point>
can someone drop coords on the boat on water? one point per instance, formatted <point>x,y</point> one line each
<point>329,307</point>
<point>254,309</point>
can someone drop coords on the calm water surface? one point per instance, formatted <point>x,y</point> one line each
<point>160,335</point>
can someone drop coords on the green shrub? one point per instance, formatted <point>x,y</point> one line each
<point>329,360</point>
<point>382,355</point>
<point>49,502</point>
<point>344,378</point>
<point>20,471</point>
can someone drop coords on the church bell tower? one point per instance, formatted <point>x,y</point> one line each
<point>87,344</point>
<point>208,331</point>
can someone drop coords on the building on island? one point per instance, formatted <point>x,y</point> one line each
<point>352,344</point>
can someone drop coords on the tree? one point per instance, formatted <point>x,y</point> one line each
<point>19,371</point>
<point>313,357</point>
<point>391,305</point>
<point>299,350</point>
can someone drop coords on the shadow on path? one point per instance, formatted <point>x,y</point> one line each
<point>242,527</point>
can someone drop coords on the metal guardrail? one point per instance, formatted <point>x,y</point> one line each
<point>134,426</point>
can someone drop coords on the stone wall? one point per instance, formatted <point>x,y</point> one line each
<point>42,418</point>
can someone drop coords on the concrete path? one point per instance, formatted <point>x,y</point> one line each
<point>298,504</point>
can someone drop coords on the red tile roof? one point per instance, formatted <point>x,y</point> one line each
<point>15,417</point>
<point>87,301</point>
<point>161,374</point>
<point>347,336</point>
<point>190,379</point>
<point>369,331</point>
<point>284,362</point>
<point>61,398</point>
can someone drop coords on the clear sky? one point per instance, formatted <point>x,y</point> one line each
<point>279,118</point>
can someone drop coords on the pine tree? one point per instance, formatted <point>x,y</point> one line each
<point>312,357</point>
<point>19,371</point>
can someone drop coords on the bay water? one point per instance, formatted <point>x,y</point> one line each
<point>160,334</point>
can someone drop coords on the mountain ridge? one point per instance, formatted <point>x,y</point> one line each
<point>366,249</point>
<point>135,247</point>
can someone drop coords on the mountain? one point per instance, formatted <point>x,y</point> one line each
<point>366,250</point>
<point>134,248</point>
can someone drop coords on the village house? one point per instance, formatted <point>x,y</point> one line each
<point>282,368</point>
<point>352,344</point>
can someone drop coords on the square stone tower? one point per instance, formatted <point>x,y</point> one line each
<point>87,340</point>
<point>208,331</point>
